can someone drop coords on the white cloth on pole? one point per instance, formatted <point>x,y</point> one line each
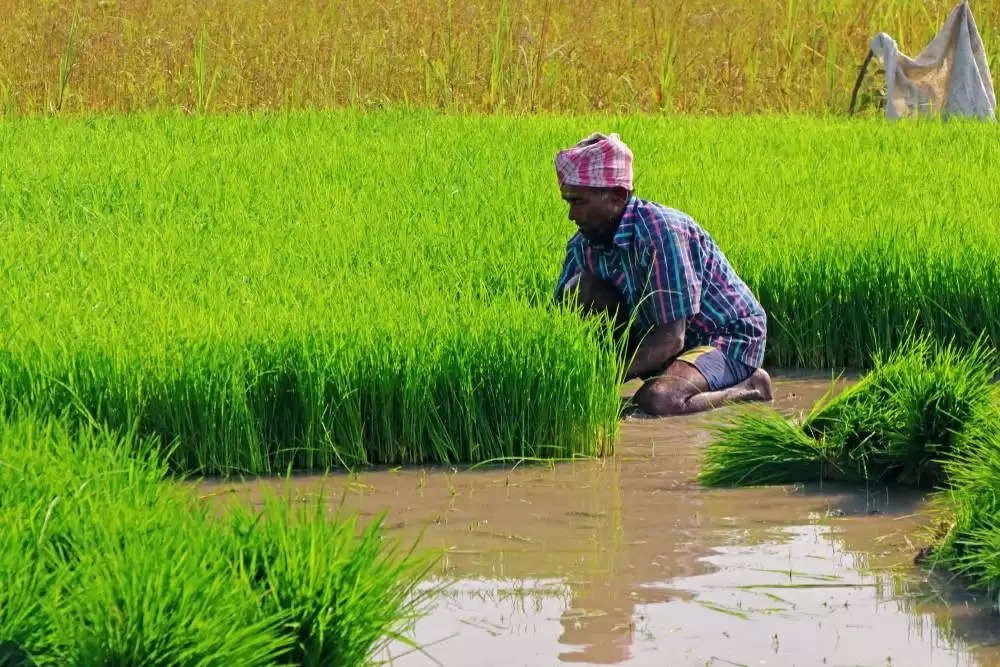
<point>950,76</point>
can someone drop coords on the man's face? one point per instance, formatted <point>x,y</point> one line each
<point>596,211</point>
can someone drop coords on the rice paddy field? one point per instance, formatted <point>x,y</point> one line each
<point>319,290</point>
<point>261,293</point>
<point>237,240</point>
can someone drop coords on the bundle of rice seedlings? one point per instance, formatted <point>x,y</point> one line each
<point>942,409</point>
<point>970,508</point>
<point>106,563</point>
<point>898,423</point>
<point>762,447</point>
<point>151,589</point>
<point>344,592</point>
<point>912,410</point>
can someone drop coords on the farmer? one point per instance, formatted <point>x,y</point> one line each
<point>695,332</point>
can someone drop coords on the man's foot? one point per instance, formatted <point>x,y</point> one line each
<point>760,382</point>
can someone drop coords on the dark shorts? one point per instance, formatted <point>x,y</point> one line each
<point>720,371</point>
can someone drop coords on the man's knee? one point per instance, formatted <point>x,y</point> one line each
<point>663,396</point>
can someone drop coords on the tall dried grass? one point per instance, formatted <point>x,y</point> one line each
<point>501,55</point>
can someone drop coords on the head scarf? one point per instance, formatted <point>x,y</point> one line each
<point>599,161</point>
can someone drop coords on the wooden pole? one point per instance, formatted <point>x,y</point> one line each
<point>857,84</point>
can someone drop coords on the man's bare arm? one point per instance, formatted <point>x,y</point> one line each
<point>659,346</point>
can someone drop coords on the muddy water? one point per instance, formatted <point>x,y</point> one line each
<point>628,560</point>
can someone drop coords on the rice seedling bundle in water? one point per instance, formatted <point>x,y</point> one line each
<point>914,410</point>
<point>968,541</point>
<point>927,415</point>
<point>332,289</point>
<point>921,404</point>
<point>106,563</point>
<point>763,448</point>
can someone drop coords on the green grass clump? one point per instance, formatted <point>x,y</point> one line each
<point>143,589</point>
<point>23,593</point>
<point>108,563</point>
<point>122,570</point>
<point>968,540</point>
<point>325,580</point>
<point>762,448</point>
<point>917,407</point>
<point>909,413</point>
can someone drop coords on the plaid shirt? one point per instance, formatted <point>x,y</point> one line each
<point>666,263</point>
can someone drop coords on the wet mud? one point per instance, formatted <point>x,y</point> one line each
<point>628,560</point>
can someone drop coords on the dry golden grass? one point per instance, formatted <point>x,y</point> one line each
<point>514,55</point>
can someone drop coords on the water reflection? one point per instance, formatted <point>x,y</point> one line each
<point>794,596</point>
<point>628,560</point>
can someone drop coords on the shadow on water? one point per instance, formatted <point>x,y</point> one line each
<point>628,560</point>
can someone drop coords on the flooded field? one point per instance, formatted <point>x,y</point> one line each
<point>628,560</point>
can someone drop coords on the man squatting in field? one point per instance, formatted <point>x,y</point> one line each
<point>698,333</point>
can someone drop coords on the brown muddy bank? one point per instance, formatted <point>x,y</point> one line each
<point>628,560</point>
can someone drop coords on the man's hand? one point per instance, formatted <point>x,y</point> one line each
<point>570,286</point>
<point>658,347</point>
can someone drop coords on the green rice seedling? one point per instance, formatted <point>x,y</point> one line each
<point>343,596</point>
<point>863,419</point>
<point>51,473</point>
<point>254,315</point>
<point>910,412</point>
<point>944,408</point>
<point>153,589</point>
<point>115,568</point>
<point>108,563</point>
<point>762,447</point>
<point>29,578</point>
<point>967,539</point>
<point>900,422</point>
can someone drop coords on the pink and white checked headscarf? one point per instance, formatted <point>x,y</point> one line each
<point>598,161</point>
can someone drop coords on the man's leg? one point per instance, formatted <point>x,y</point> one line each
<point>684,389</point>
